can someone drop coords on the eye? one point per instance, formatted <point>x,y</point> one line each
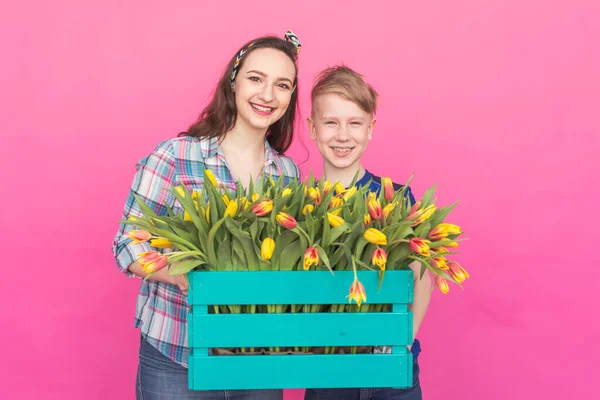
<point>329,122</point>
<point>356,123</point>
<point>284,86</point>
<point>254,78</point>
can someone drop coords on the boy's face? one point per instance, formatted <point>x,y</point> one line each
<point>341,130</point>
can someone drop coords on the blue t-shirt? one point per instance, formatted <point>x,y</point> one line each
<point>375,186</point>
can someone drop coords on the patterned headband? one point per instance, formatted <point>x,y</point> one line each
<point>289,37</point>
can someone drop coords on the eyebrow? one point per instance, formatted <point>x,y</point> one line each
<point>336,117</point>
<point>264,75</point>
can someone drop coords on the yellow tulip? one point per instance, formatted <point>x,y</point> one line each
<point>267,248</point>
<point>388,209</point>
<point>349,193</point>
<point>339,188</point>
<point>334,220</point>
<point>180,191</point>
<point>309,208</point>
<point>161,243</point>
<point>367,219</point>
<point>232,208</point>
<point>225,199</point>
<point>208,174</point>
<point>255,197</point>
<point>326,187</point>
<point>286,192</point>
<point>375,236</point>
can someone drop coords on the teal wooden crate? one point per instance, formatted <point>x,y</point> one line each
<point>269,371</point>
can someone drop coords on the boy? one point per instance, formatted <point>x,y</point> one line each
<point>341,124</point>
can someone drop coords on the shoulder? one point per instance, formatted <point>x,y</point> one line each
<point>288,167</point>
<point>397,186</point>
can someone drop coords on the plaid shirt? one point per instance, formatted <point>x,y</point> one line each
<point>162,309</point>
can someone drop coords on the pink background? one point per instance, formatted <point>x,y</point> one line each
<point>496,102</point>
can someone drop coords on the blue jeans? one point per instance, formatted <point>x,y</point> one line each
<point>411,393</point>
<point>159,378</point>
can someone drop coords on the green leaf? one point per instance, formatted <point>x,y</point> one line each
<point>440,215</point>
<point>323,256</point>
<point>290,255</point>
<point>212,256</point>
<point>427,197</point>
<point>362,264</point>
<point>186,266</point>
<point>423,229</point>
<point>224,255</point>
<point>147,211</point>
<point>337,232</point>
<point>398,253</point>
<point>250,249</point>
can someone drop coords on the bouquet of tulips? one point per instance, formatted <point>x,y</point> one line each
<point>299,226</point>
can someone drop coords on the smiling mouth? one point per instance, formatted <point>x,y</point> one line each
<point>260,108</point>
<point>342,150</point>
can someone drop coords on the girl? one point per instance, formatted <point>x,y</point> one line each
<point>241,134</point>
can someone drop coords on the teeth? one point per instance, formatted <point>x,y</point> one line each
<point>261,108</point>
<point>342,150</point>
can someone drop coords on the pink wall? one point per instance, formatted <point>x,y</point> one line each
<point>495,101</point>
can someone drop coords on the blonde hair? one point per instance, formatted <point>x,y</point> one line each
<point>346,83</point>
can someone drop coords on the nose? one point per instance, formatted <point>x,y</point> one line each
<point>342,134</point>
<point>266,93</point>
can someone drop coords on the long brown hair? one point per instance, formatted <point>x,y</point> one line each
<point>220,114</point>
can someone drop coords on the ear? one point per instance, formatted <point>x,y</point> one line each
<point>371,127</point>
<point>311,128</point>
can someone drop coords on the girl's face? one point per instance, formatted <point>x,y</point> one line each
<point>341,130</point>
<point>263,88</point>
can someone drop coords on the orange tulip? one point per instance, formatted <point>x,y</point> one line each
<point>326,187</point>
<point>388,188</point>
<point>152,261</point>
<point>336,202</point>
<point>263,208</point>
<point>439,262</point>
<point>357,292</point>
<point>457,271</point>
<point>442,284</point>
<point>286,220</point>
<point>314,194</point>
<point>311,257</point>
<point>375,209</point>
<point>139,236</point>
<point>442,231</point>
<point>379,258</point>
<point>420,246</point>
